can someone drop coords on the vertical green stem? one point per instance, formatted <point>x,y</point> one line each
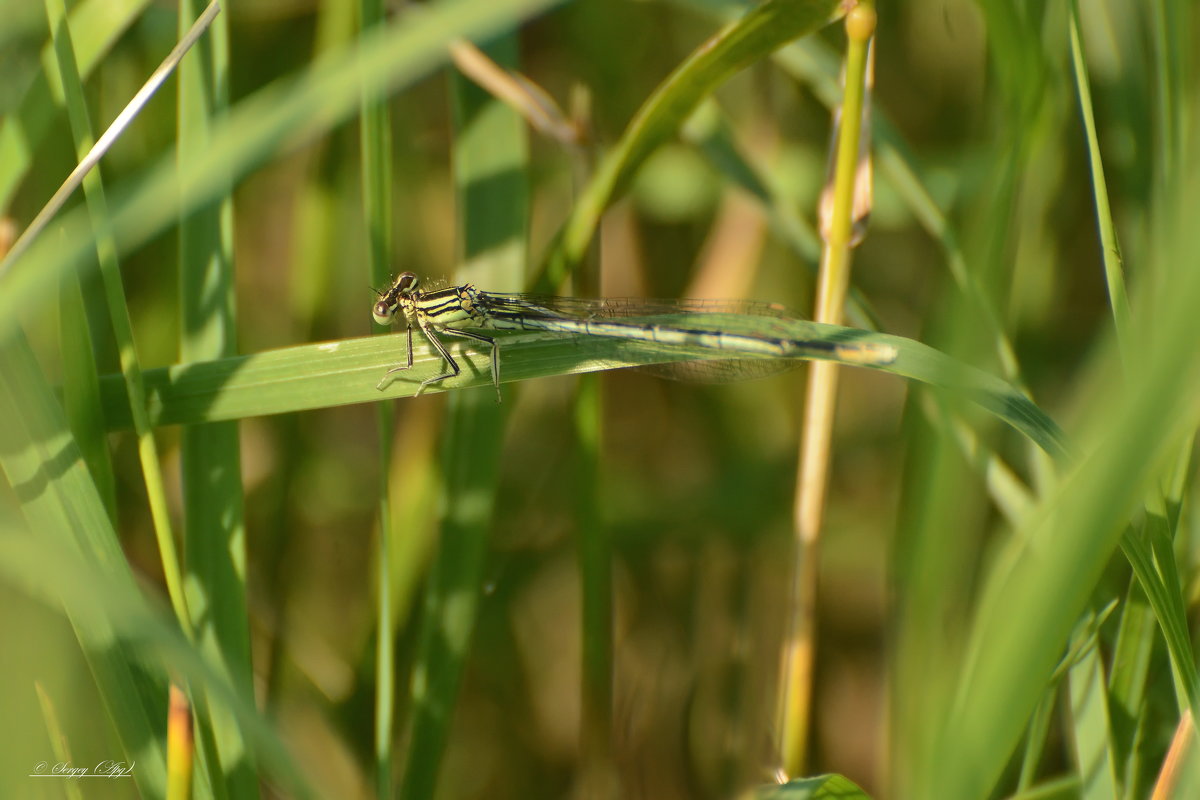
<point>595,567</point>
<point>490,159</point>
<point>376,143</point>
<point>213,504</point>
<point>796,674</point>
<point>122,326</point>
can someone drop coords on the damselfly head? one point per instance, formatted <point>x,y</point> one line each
<point>404,286</point>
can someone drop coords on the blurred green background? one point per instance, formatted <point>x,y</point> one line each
<point>695,481</point>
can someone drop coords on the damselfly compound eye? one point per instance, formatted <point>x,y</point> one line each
<point>383,312</point>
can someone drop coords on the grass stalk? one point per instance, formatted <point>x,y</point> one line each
<point>375,138</point>
<point>115,296</point>
<point>795,694</point>
<point>490,159</point>
<point>1114,273</point>
<point>214,523</point>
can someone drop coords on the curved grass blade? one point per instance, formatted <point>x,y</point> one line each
<point>98,23</point>
<point>347,371</point>
<point>1034,599</point>
<point>739,44</point>
<point>90,159</point>
<point>59,500</point>
<point>275,119</point>
<point>115,614</point>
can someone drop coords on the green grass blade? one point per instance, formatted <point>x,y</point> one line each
<point>60,502</point>
<point>211,477</point>
<point>491,155</point>
<point>119,313</point>
<point>1033,602</point>
<point>1153,564</point>
<point>375,138</point>
<point>347,371</point>
<point>81,389</point>
<point>1169,26</point>
<point>1149,552</point>
<point>595,557</point>
<point>1035,738</point>
<point>113,613</point>
<point>98,24</point>
<point>1114,273</point>
<point>452,593</point>
<point>1062,788</point>
<point>1089,720</point>
<point>276,119</point>
<point>762,30</point>
<point>1128,687</point>
<point>122,325</point>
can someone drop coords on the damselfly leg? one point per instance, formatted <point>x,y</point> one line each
<point>453,368</point>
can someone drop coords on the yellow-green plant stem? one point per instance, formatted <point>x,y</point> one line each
<point>796,675</point>
<point>375,138</point>
<point>122,326</point>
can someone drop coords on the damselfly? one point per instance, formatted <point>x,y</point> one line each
<point>464,310</point>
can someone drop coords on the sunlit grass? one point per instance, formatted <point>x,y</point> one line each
<point>584,588</point>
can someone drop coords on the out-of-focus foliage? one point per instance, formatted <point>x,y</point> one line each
<point>982,169</point>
